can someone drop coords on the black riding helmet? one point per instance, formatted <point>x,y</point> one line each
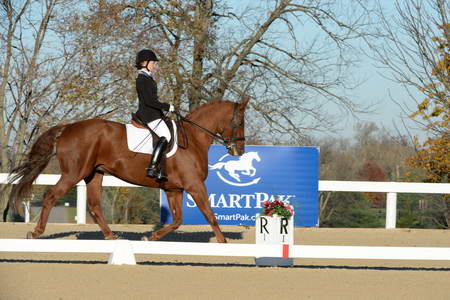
<point>145,55</point>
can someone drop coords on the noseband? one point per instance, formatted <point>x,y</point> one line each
<point>231,142</point>
<point>228,143</point>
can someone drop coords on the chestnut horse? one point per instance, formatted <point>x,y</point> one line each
<point>88,149</point>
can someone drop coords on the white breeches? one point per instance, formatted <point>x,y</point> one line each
<point>160,128</point>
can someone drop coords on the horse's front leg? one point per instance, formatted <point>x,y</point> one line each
<point>174,198</point>
<point>198,192</point>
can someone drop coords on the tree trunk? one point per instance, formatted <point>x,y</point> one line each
<point>127,202</point>
<point>247,48</point>
<point>12,20</point>
<point>113,205</point>
<point>202,23</point>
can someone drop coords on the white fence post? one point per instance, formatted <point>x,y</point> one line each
<point>391,210</point>
<point>27,208</point>
<point>81,203</point>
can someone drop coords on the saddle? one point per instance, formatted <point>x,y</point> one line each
<point>138,123</point>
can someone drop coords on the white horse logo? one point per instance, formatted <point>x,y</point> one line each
<point>244,165</point>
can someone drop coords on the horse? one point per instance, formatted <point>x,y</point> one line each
<point>243,164</point>
<point>88,149</point>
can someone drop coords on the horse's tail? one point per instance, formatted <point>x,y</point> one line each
<point>217,166</point>
<point>36,161</point>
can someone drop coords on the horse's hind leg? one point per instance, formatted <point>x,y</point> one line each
<point>201,199</point>
<point>94,197</point>
<point>51,197</point>
<point>174,198</point>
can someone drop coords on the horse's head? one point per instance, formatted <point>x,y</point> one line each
<point>234,132</point>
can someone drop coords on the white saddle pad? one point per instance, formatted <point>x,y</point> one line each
<point>140,140</point>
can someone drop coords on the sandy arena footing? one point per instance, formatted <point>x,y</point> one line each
<point>87,276</point>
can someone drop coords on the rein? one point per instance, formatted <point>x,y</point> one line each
<point>226,142</point>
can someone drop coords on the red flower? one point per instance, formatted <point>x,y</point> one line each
<point>278,207</point>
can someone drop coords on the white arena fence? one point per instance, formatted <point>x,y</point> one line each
<point>123,251</point>
<point>390,188</point>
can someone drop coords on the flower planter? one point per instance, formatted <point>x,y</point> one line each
<point>274,230</point>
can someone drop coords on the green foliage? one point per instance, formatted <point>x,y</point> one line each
<point>131,205</point>
<point>353,210</point>
<point>40,190</point>
<point>146,210</point>
<point>422,211</point>
<point>408,213</point>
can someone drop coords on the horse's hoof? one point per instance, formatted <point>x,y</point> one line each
<point>30,235</point>
<point>112,237</point>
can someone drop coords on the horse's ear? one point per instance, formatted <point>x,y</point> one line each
<point>244,102</point>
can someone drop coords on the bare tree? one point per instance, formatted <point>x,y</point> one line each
<point>350,159</point>
<point>69,60</point>
<point>415,51</point>
<point>40,84</point>
<point>291,56</point>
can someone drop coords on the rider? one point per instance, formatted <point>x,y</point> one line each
<point>151,110</point>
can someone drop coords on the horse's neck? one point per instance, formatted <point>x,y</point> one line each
<point>208,118</point>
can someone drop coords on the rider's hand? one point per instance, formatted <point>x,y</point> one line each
<point>171,108</point>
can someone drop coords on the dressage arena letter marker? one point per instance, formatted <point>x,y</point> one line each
<point>283,225</point>
<point>263,226</point>
<point>275,230</point>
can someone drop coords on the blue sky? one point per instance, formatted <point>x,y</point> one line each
<point>375,90</point>
<point>389,100</point>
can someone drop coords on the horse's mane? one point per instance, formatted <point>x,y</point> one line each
<point>211,106</point>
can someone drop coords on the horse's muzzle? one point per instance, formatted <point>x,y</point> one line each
<point>234,150</point>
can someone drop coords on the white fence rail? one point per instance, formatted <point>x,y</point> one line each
<point>123,251</point>
<point>390,188</point>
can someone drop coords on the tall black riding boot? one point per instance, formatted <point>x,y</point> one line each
<point>154,170</point>
<point>162,174</point>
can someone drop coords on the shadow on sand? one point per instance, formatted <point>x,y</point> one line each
<point>176,236</point>
<point>235,265</point>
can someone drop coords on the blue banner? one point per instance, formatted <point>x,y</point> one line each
<point>237,186</point>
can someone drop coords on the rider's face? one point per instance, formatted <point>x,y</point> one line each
<point>152,66</point>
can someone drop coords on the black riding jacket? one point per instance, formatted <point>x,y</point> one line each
<point>150,108</point>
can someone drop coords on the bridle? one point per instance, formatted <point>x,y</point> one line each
<point>228,143</point>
